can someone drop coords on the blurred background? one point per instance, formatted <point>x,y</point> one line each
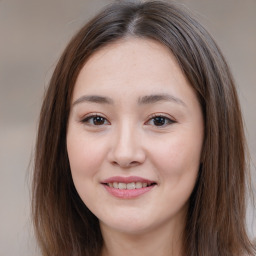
<point>33,34</point>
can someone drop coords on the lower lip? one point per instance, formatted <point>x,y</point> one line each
<point>127,193</point>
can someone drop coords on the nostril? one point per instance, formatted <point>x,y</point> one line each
<point>125,165</point>
<point>115,163</point>
<point>134,163</point>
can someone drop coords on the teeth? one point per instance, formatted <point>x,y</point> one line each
<point>132,185</point>
<point>139,185</point>
<point>122,186</point>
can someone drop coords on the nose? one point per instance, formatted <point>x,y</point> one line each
<point>127,148</point>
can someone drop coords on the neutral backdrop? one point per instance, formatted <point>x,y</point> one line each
<point>33,34</point>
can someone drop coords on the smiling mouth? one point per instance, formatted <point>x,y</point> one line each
<point>129,186</point>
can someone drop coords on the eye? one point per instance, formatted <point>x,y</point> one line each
<point>160,120</point>
<point>95,120</point>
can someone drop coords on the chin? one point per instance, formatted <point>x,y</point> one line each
<point>128,225</point>
<point>130,229</point>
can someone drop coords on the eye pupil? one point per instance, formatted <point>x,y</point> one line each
<point>98,120</point>
<point>159,121</point>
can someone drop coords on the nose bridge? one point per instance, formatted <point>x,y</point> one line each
<point>127,149</point>
<point>125,137</point>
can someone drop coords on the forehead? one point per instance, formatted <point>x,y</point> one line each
<point>131,65</point>
<point>130,52</point>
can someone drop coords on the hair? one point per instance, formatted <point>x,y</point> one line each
<point>215,223</point>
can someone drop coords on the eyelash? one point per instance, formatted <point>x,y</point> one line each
<point>161,117</point>
<point>91,119</point>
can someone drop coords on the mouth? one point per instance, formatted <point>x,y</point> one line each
<point>128,187</point>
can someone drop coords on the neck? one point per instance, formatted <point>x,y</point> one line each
<point>165,241</point>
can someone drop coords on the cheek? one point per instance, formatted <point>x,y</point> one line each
<point>177,160</point>
<point>85,158</point>
<point>84,155</point>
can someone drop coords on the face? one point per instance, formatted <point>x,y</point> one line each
<point>134,137</point>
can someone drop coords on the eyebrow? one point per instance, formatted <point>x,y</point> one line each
<point>148,99</point>
<point>93,99</point>
<point>155,98</point>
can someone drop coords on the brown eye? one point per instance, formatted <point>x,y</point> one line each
<point>98,120</point>
<point>160,121</point>
<point>95,120</point>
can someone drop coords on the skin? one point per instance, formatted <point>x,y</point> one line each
<point>128,140</point>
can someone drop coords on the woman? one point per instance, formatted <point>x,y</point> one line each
<point>140,146</point>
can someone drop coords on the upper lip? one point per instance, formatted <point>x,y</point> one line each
<point>129,179</point>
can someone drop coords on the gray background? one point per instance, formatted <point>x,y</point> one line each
<point>33,33</point>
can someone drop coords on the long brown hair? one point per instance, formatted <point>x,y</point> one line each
<point>216,217</point>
